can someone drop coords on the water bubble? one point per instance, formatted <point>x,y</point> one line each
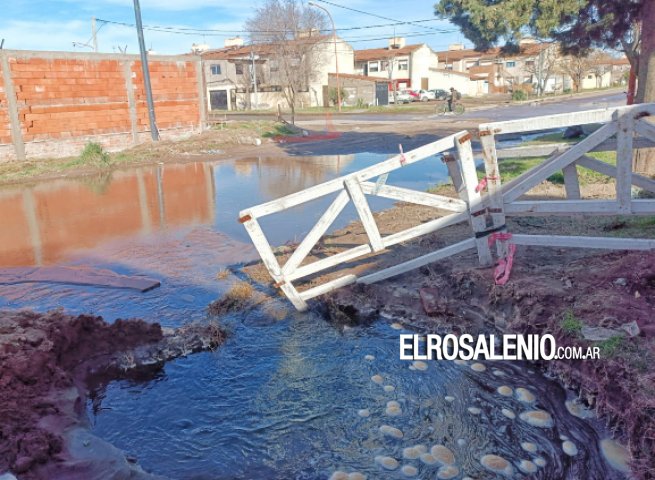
<point>339,475</point>
<point>497,464</point>
<point>411,453</point>
<point>364,413</point>
<point>356,476</point>
<point>447,472</point>
<point>616,455</point>
<point>377,379</point>
<point>498,373</point>
<point>570,448</point>
<point>537,418</point>
<point>460,362</point>
<point>443,455</point>
<point>389,388</point>
<point>529,447</point>
<point>461,442</point>
<point>540,462</point>
<point>391,431</point>
<point>448,398</point>
<point>577,409</point>
<point>478,367</point>
<point>428,459</point>
<point>474,410</point>
<point>505,391</point>
<point>526,466</point>
<point>393,408</point>
<point>508,413</point>
<point>396,326</point>
<point>419,365</point>
<point>409,471</point>
<point>524,395</point>
<point>370,358</point>
<point>388,463</point>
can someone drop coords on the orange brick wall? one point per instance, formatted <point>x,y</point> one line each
<point>5,132</point>
<point>68,98</point>
<point>174,91</point>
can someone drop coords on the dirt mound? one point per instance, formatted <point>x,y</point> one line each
<point>44,361</point>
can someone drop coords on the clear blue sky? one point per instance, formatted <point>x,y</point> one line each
<point>55,25</point>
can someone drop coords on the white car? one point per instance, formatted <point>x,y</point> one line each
<point>402,96</point>
<point>426,95</point>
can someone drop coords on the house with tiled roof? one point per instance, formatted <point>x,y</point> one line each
<point>407,66</point>
<point>232,72</point>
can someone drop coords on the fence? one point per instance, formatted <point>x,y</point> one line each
<point>485,210</point>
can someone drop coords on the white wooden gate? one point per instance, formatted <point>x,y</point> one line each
<point>486,212</point>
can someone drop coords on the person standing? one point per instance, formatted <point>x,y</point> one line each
<point>452,97</point>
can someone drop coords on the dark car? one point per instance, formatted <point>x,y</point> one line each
<point>440,94</point>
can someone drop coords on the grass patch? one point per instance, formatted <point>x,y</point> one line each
<point>511,168</point>
<point>611,347</point>
<point>279,130</point>
<point>570,324</point>
<point>238,297</point>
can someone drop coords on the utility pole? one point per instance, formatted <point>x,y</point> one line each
<point>336,55</point>
<point>94,34</point>
<point>154,132</point>
<point>254,74</point>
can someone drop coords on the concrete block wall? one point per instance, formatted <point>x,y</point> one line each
<point>53,103</point>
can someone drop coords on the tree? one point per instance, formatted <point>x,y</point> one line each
<point>599,65</point>
<point>578,25</point>
<point>287,32</point>
<point>577,67</point>
<point>543,66</point>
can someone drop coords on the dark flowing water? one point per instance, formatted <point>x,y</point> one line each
<point>281,399</point>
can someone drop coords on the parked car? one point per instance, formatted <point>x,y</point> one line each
<point>426,95</point>
<point>415,95</point>
<point>402,96</point>
<point>440,94</point>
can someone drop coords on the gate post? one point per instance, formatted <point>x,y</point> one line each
<point>477,210</point>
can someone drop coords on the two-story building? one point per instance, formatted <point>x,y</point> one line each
<point>240,76</point>
<point>406,66</point>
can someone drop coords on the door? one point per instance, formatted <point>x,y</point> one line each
<point>218,99</point>
<point>424,83</point>
<point>382,93</point>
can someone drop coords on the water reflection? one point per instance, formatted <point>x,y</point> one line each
<point>45,222</point>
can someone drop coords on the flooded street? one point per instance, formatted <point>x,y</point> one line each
<point>288,396</point>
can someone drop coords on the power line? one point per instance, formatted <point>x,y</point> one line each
<point>379,16</point>
<point>212,32</point>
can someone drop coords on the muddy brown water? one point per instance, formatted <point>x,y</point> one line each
<point>282,398</point>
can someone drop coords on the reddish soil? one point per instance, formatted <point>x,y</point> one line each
<point>45,363</point>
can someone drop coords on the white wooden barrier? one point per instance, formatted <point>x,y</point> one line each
<point>354,187</point>
<point>625,123</point>
<point>485,212</point>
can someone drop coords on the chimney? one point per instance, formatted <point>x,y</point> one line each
<point>396,42</point>
<point>456,46</point>
<point>198,48</point>
<point>234,42</point>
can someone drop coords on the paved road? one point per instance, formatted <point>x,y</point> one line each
<point>565,105</point>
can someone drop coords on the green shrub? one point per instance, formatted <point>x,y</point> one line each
<point>611,347</point>
<point>570,324</point>
<point>519,95</point>
<point>95,154</point>
<point>332,95</point>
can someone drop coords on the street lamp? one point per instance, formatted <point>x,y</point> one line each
<point>336,56</point>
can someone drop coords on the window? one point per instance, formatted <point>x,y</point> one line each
<point>239,68</point>
<point>374,66</point>
<point>384,66</point>
<point>510,64</point>
<point>216,69</point>
<point>403,65</point>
